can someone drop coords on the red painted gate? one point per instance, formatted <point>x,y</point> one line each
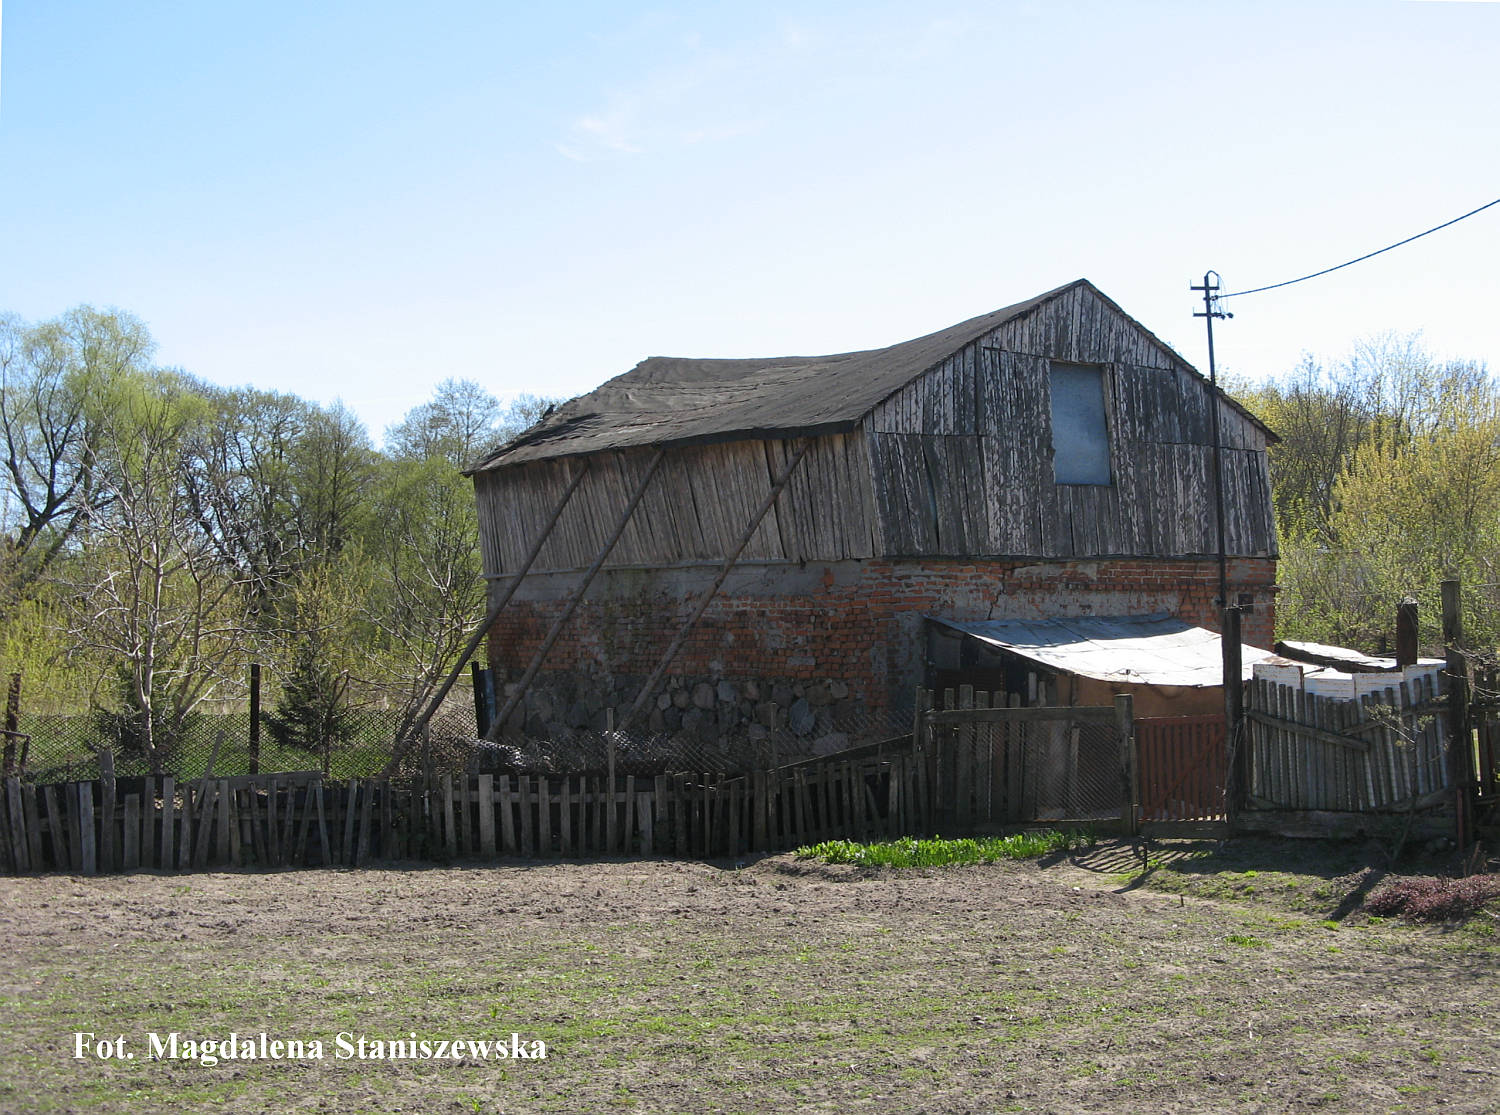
<point>1182,765</point>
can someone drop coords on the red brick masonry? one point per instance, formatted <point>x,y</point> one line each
<point>857,622</point>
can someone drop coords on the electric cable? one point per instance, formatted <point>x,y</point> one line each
<point>1361,259</point>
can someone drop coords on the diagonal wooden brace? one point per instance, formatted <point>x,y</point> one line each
<point>515,699</point>
<point>677,640</point>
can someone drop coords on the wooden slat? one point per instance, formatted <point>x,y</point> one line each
<point>367,809</point>
<point>16,826</point>
<point>229,849</point>
<point>109,852</point>
<point>57,828</point>
<point>524,791</point>
<point>545,817</point>
<point>319,805</point>
<point>507,816</point>
<point>644,810</point>
<point>486,805</point>
<point>659,793</point>
<point>88,859</point>
<point>630,818</point>
<point>33,823</point>
<point>445,816</point>
<point>463,797</point>
<point>205,801</point>
<point>679,816</point>
<point>130,852</point>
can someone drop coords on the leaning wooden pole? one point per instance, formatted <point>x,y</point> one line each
<point>415,729</point>
<point>514,700</point>
<point>729,563</point>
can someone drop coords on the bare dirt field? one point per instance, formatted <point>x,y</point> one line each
<point>1240,979</point>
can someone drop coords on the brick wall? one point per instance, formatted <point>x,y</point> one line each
<point>856,624</point>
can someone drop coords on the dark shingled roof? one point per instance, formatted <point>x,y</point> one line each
<point>668,400</point>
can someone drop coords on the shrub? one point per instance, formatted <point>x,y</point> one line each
<point>1425,898</point>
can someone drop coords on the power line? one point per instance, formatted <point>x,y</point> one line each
<point>1361,259</point>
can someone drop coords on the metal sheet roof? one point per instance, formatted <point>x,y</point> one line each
<point>1134,650</point>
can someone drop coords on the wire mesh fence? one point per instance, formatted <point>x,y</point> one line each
<point>1075,770</point>
<point>66,748</point>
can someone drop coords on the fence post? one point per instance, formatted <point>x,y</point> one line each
<point>919,731</point>
<point>481,706</point>
<point>12,723</point>
<point>609,789</point>
<point>255,718</point>
<point>1130,808</point>
<point>1460,737</point>
<point>1406,633</point>
<point>1236,773</point>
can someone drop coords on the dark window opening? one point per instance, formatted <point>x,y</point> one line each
<point>1080,430</point>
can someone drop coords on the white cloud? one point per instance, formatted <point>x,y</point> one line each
<point>697,100</point>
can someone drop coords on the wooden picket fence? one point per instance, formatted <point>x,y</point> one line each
<point>288,820</point>
<point>1385,752</point>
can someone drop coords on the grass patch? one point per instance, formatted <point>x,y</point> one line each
<point>1244,940</point>
<point>936,852</point>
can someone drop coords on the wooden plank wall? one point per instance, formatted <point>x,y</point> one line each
<point>267,821</point>
<point>694,512</point>
<point>961,459</point>
<point>1385,752</point>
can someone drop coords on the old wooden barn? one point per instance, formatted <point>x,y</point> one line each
<point>747,545</point>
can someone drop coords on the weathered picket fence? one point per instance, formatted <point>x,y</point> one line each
<point>1385,752</point>
<point>282,820</point>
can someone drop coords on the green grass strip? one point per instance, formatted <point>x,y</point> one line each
<point>911,852</point>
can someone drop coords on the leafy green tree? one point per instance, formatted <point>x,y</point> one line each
<point>428,591</point>
<point>53,383</point>
<point>427,586</point>
<point>1387,481</point>
<point>334,466</point>
<point>148,596</point>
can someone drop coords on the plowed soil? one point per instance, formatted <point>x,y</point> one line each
<point>776,985</point>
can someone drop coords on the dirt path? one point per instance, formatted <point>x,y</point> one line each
<point>663,986</point>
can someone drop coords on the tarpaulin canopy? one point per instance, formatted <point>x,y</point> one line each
<point>1136,650</point>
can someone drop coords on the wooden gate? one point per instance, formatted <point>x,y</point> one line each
<point>1183,764</point>
<point>1003,765</point>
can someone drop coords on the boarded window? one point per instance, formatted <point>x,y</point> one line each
<point>1080,433</point>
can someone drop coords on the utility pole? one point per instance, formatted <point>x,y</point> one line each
<point>1210,289</point>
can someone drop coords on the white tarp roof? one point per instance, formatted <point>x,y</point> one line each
<point>1324,655</point>
<point>1137,650</point>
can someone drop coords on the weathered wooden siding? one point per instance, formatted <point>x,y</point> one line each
<point>961,458</point>
<point>694,510</point>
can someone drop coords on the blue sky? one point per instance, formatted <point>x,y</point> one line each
<point>357,200</point>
